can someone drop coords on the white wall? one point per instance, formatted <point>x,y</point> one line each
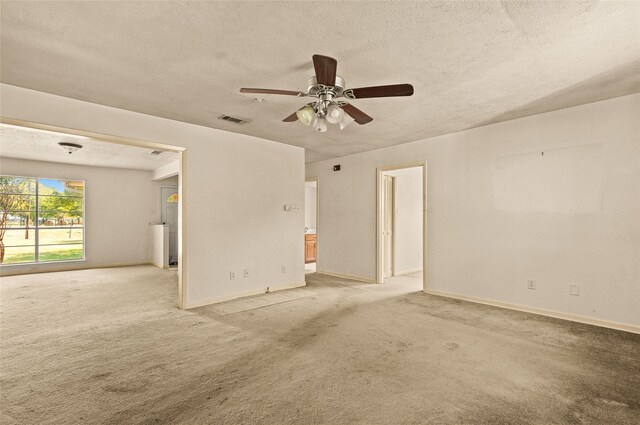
<point>166,171</point>
<point>310,193</point>
<point>408,229</point>
<point>236,187</point>
<point>117,212</point>
<point>499,212</point>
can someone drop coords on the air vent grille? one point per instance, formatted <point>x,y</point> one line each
<point>234,120</point>
<point>155,152</point>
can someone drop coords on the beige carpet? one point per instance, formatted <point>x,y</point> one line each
<point>259,301</point>
<point>108,347</point>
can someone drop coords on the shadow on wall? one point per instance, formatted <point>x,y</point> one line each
<point>620,81</point>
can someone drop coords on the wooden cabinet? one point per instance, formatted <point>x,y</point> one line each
<point>309,248</point>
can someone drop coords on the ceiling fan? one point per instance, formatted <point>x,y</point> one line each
<point>326,87</point>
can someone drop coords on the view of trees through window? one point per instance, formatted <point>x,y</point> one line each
<point>41,220</point>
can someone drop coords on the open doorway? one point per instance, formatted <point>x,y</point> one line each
<point>169,216</point>
<point>310,225</point>
<point>389,223</point>
<point>89,177</point>
<point>401,228</point>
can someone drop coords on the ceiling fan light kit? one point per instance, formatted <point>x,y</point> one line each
<point>320,124</point>
<point>346,120</point>
<point>326,87</point>
<point>334,114</point>
<point>306,114</point>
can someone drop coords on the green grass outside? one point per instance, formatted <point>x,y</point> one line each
<point>17,249</point>
<point>28,257</point>
<point>21,257</point>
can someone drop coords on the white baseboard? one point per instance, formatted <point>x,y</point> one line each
<point>16,270</point>
<point>216,300</point>
<point>347,276</point>
<point>400,273</point>
<point>550,313</point>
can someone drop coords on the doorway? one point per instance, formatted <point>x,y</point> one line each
<point>169,217</point>
<point>388,228</point>
<point>310,225</point>
<point>401,223</point>
<point>91,138</point>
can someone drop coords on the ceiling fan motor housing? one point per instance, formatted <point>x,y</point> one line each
<point>315,89</point>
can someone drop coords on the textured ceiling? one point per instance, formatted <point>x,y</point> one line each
<point>23,143</point>
<point>471,63</point>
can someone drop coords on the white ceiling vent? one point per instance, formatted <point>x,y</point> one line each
<point>234,120</point>
<point>155,152</point>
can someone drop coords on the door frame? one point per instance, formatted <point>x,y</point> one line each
<point>379,216</point>
<point>161,199</point>
<point>307,180</point>
<point>392,242</point>
<point>182,176</point>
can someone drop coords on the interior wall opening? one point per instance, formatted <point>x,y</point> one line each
<point>95,200</point>
<point>169,211</point>
<point>310,225</point>
<point>401,224</point>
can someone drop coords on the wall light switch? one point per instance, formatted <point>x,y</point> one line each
<point>531,284</point>
<point>246,273</point>
<point>232,275</point>
<point>574,290</point>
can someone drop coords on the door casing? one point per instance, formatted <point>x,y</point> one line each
<point>163,201</point>
<point>317,180</point>
<point>182,185</point>
<point>379,217</point>
<point>388,224</point>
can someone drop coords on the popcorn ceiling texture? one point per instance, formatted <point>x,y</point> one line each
<point>472,63</point>
<point>26,143</point>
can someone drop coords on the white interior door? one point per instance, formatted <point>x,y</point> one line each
<point>169,216</point>
<point>387,230</point>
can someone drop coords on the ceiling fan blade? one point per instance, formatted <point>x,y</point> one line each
<point>291,118</point>
<point>381,91</point>
<point>325,69</point>
<point>272,91</point>
<point>355,113</point>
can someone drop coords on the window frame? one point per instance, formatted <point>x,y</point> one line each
<point>36,227</point>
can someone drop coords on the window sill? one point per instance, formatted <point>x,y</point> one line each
<point>43,263</point>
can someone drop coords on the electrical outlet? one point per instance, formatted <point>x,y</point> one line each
<point>531,284</point>
<point>283,269</point>
<point>574,290</point>
<point>232,275</point>
<point>246,273</point>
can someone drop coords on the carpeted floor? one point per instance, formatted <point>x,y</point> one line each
<point>107,346</point>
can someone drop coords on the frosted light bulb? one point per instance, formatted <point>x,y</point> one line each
<point>345,121</point>
<point>320,125</point>
<point>334,114</point>
<point>306,115</point>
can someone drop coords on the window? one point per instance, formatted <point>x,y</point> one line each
<point>41,220</point>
